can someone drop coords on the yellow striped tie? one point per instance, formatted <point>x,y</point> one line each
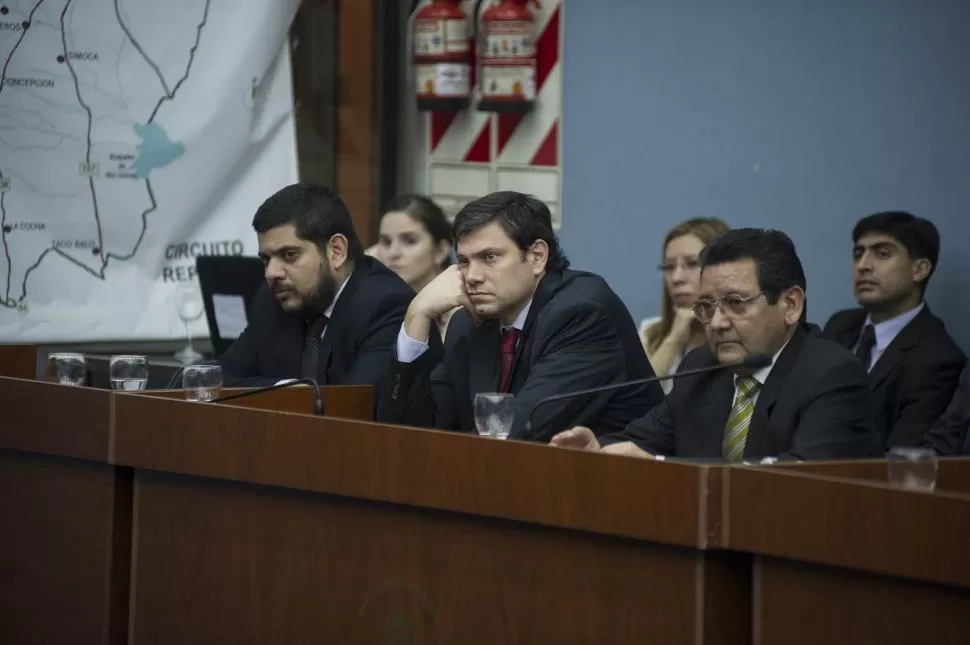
<point>736,432</point>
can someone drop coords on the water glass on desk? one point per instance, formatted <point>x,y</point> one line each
<point>128,372</point>
<point>202,382</point>
<point>913,468</point>
<point>494,414</point>
<point>67,369</point>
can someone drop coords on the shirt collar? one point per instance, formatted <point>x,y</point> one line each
<point>519,322</point>
<point>329,312</point>
<point>887,330</point>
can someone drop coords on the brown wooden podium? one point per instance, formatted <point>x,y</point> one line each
<point>18,361</point>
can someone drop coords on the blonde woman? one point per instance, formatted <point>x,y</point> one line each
<point>667,339</point>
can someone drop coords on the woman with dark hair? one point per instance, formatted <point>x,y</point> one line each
<point>414,242</point>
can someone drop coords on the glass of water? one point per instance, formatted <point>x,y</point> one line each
<point>67,369</point>
<point>202,382</point>
<point>494,414</point>
<point>913,468</point>
<point>128,373</point>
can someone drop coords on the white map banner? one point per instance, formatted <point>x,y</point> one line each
<point>134,136</point>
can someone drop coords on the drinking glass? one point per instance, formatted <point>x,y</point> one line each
<point>494,414</point>
<point>913,468</point>
<point>128,372</point>
<point>202,382</point>
<point>188,302</point>
<point>67,369</point>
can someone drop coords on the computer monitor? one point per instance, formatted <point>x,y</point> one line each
<point>228,284</point>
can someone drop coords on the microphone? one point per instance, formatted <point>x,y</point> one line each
<point>317,403</point>
<point>753,362</point>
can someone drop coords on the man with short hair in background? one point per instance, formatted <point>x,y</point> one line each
<point>529,326</point>
<point>809,402</point>
<point>913,363</point>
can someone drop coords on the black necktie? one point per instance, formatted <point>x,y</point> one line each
<point>866,342</point>
<point>311,346</point>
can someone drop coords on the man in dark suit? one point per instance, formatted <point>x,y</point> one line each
<point>529,326</point>
<point>913,363</point>
<point>950,435</point>
<point>326,311</point>
<point>810,403</point>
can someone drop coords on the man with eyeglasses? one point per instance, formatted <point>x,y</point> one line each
<point>809,403</point>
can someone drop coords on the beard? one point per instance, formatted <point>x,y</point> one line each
<point>322,296</point>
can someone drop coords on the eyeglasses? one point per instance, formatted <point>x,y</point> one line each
<point>689,264</point>
<point>733,306</point>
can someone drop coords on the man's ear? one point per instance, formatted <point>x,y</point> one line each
<point>338,249</point>
<point>538,256</point>
<point>921,270</point>
<point>793,304</point>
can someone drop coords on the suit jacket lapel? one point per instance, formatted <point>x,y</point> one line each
<point>712,414</point>
<point>758,431</point>
<point>905,340</point>
<point>289,339</point>
<point>547,288</point>
<point>484,358</point>
<point>338,317</point>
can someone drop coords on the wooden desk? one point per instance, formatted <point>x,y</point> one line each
<point>845,560</point>
<point>264,527</point>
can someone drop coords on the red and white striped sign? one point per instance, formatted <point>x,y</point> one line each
<point>472,153</point>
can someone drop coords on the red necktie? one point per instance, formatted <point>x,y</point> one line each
<point>510,338</point>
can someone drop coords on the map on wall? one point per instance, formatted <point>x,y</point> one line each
<point>135,135</point>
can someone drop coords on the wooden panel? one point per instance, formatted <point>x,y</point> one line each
<point>218,562</point>
<point>799,604</point>
<point>18,361</point>
<point>64,550</point>
<point>953,474</point>
<point>341,401</point>
<point>449,471</point>
<point>55,419</point>
<point>856,524</point>
<point>358,163</point>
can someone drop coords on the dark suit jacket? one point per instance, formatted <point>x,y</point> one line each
<point>812,406</point>
<point>356,346</point>
<point>577,334</point>
<point>913,380</point>
<point>950,435</point>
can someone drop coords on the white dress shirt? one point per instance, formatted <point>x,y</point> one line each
<point>409,350</point>
<point>886,333</point>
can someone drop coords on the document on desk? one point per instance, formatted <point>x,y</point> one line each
<point>230,313</point>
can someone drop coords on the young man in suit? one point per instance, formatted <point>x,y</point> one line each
<point>950,435</point>
<point>528,326</point>
<point>326,311</point>
<point>810,403</point>
<point>913,363</point>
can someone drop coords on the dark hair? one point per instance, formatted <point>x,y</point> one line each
<point>315,212</point>
<point>773,253</point>
<point>918,235</point>
<point>524,219</point>
<point>424,211</point>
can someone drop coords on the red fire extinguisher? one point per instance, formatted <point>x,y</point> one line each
<point>442,56</point>
<point>507,55</point>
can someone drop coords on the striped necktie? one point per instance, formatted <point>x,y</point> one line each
<point>736,432</point>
